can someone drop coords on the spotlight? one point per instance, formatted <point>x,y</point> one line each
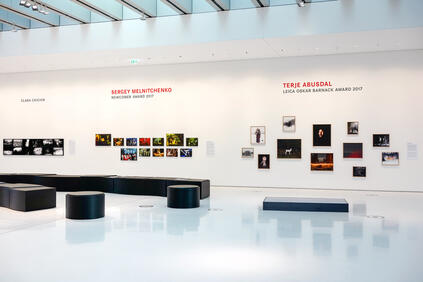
<point>300,3</point>
<point>27,4</point>
<point>22,2</point>
<point>35,6</point>
<point>143,17</point>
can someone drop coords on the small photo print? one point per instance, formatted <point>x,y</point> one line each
<point>145,152</point>
<point>247,153</point>
<point>352,127</point>
<point>48,147</point>
<point>390,158</point>
<point>118,142</point>
<point>322,135</point>
<point>158,142</point>
<point>359,171</point>
<point>264,161</point>
<point>258,135</point>
<point>7,146</point>
<point>322,161</point>
<point>353,150</point>
<point>288,124</point>
<point>145,142</point>
<point>192,142</point>
<point>131,142</point>
<point>174,139</point>
<point>103,139</point>
<point>128,154</point>
<point>380,140</point>
<point>159,153</point>
<point>172,153</point>
<point>289,148</point>
<point>186,153</point>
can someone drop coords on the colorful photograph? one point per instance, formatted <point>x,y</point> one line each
<point>186,153</point>
<point>118,142</point>
<point>352,127</point>
<point>128,154</point>
<point>289,148</point>
<point>258,135</point>
<point>390,158</point>
<point>174,139</point>
<point>145,152</point>
<point>353,150</point>
<point>131,142</point>
<point>380,140</point>
<point>192,142</point>
<point>158,153</point>
<point>103,139</point>
<point>322,161</point>
<point>171,153</point>
<point>145,142</point>
<point>322,135</point>
<point>158,142</point>
<point>247,153</point>
<point>288,124</point>
<point>359,171</point>
<point>264,161</point>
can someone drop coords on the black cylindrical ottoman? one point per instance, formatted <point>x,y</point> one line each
<point>183,196</point>
<point>85,205</point>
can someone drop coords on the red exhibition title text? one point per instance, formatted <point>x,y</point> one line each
<point>141,91</point>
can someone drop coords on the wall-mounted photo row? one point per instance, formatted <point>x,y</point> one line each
<point>158,152</point>
<point>175,139</point>
<point>390,158</point>
<point>158,142</point>
<point>191,142</point>
<point>128,154</point>
<point>133,142</point>
<point>288,124</point>
<point>264,161</point>
<point>145,152</point>
<point>258,135</point>
<point>145,142</point>
<point>353,150</point>
<point>289,148</point>
<point>380,140</point>
<point>33,147</point>
<point>322,161</point>
<point>352,127</point>
<point>186,153</point>
<point>171,153</point>
<point>359,171</point>
<point>247,153</point>
<point>322,135</point>
<point>118,142</point>
<point>103,139</point>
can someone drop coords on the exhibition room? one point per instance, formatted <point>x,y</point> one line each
<point>211,140</point>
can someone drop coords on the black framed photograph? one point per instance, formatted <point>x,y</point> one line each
<point>191,141</point>
<point>257,135</point>
<point>158,142</point>
<point>171,153</point>
<point>359,171</point>
<point>118,142</point>
<point>185,153</point>
<point>103,139</point>
<point>352,127</point>
<point>322,135</point>
<point>264,161</point>
<point>322,161</point>
<point>289,148</point>
<point>247,153</point>
<point>390,158</point>
<point>128,154</point>
<point>158,153</point>
<point>380,140</point>
<point>131,142</point>
<point>288,123</point>
<point>175,139</point>
<point>353,150</point>
<point>145,152</point>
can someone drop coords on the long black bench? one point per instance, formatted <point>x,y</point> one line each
<point>305,204</point>
<point>27,197</point>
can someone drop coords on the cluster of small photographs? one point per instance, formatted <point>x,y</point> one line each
<point>33,147</point>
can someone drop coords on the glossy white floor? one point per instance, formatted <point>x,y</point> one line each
<point>230,238</point>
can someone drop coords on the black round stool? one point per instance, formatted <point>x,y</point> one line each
<point>85,205</point>
<point>183,196</point>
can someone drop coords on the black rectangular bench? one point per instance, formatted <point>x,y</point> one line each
<point>305,204</point>
<point>27,197</point>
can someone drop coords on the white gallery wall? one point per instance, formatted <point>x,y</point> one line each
<point>218,102</point>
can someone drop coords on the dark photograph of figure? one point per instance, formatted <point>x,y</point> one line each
<point>258,135</point>
<point>264,161</point>
<point>322,135</point>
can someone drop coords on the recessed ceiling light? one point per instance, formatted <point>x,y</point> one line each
<point>22,2</point>
<point>300,3</point>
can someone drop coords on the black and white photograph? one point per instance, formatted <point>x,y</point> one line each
<point>380,140</point>
<point>258,135</point>
<point>288,123</point>
<point>289,148</point>
<point>33,147</point>
<point>247,153</point>
<point>264,161</point>
<point>352,127</point>
<point>390,158</point>
<point>322,135</point>
<point>359,171</point>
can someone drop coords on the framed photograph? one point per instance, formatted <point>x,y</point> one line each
<point>118,142</point>
<point>258,135</point>
<point>7,147</point>
<point>390,158</point>
<point>47,147</point>
<point>288,124</point>
<point>128,154</point>
<point>186,153</point>
<point>352,127</point>
<point>145,142</point>
<point>58,147</point>
<point>322,135</point>
<point>322,161</point>
<point>171,153</point>
<point>174,139</point>
<point>131,142</point>
<point>353,150</point>
<point>191,142</point>
<point>33,147</point>
<point>380,140</point>
<point>247,153</point>
<point>159,153</point>
<point>145,152</point>
<point>289,148</point>
<point>158,142</point>
<point>36,147</point>
<point>264,161</point>
<point>103,139</point>
<point>359,171</point>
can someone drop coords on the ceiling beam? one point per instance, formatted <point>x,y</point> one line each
<point>261,3</point>
<point>107,8</point>
<point>220,5</point>
<point>181,6</point>
<point>69,9</point>
<point>14,7</point>
<point>14,20</point>
<point>142,7</point>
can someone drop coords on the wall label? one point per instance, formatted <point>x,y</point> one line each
<point>32,100</point>
<point>316,87</point>
<point>139,93</point>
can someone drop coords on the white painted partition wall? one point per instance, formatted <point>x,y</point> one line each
<point>218,102</point>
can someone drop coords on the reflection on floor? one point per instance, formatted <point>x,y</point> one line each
<point>229,238</point>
